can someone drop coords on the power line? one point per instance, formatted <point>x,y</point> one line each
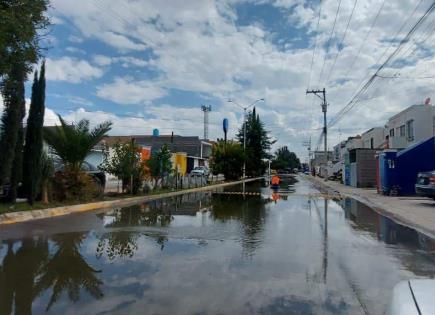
<point>360,86</point>
<point>370,81</point>
<point>365,38</point>
<point>315,45</point>
<point>341,43</point>
<point>329,40</point>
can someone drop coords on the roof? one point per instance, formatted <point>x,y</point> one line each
<point>190,144</point>
<point>409,109</point>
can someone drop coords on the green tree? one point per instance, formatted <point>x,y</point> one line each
<point>21,26</point>
<point>33,144</point>
<point>124,163</point>
<point>14,102</point>
<point>72,143</point>
<point>227,159</point>
<point>284,159</point>
<point>258,144</point>
<point>159,164</point>
<point>21,23</point>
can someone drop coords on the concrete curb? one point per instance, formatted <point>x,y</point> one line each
<point>398,218</point>
<point>22,216</point>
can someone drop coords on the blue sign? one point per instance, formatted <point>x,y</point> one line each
<point>225,125</point>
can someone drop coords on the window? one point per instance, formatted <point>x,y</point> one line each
<point>371,143</point>
<point>410,130</point>
<point>402,130</point>
<point>391,133</point>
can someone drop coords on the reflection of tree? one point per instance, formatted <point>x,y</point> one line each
<point>18,273</point>
<point>7,282</point>
<point>122,244</point>
<point>68,271</point>
<point>251,212</point>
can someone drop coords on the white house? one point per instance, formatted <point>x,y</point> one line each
<point>373,138</point>
<point>412,125</point>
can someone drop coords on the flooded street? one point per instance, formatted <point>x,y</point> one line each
<point>293,252</point>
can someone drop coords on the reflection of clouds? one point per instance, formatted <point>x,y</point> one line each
<point>110,304</point>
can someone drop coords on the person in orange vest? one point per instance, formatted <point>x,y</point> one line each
<point>275,180</point>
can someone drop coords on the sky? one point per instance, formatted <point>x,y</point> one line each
<point>146,64</point>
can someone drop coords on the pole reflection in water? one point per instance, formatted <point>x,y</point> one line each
<point>325,242</point>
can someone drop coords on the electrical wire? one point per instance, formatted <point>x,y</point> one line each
<point>315,44</point>
<point>329,41</point>
<point>365,38</point>
<point>341,43</point>
<point>370,81</point>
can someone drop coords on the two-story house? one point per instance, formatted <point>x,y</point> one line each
<point>412,125</point>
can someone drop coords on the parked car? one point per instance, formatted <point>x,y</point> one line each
<point>425,185</point>
<point>415,296</point>
<point>200,171</point>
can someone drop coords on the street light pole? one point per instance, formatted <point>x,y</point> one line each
<point>245,108</point>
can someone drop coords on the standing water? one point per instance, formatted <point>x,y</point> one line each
<point>284,252</point>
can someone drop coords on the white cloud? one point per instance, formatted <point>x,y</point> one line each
<point>50,117</point>
<point>71,70</point>
<point>199,47</point>
<point>125,90</point>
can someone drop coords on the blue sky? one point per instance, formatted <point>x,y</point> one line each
<point>148,64</point>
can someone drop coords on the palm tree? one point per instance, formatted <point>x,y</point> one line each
<point>72,143</point>
<point>68,271</point>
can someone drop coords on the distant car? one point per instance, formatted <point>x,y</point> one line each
<point>415,296</point>
<point>200,171</point>
<point>425,185</point>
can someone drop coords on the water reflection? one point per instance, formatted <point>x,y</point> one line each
<point>384,228</point>
<point>216,254</point>
<point>18,272</point>
<point>30,271</point>
<point>250,211</point>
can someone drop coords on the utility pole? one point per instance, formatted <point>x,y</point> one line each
<point>308,145</point>
<point>322,95</point>
<point>206,110</point>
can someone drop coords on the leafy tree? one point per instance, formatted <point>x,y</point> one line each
<point>258,144</point>
<point>284,159</point>
<point>13,98</point>
<point>21,24</point>
<point>124,163</point>
<point>227,159</point>
<point>33,144</point>
<point>72,143</point>
<point>160,164</point>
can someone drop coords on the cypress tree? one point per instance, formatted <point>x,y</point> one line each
<point>258,144</point>
<point>34,142</point>
<point>13,96</point>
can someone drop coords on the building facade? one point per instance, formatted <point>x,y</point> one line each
<point>373,138</point>
<point>410,126</point>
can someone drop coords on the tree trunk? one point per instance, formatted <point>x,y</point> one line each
<point>45,193</point>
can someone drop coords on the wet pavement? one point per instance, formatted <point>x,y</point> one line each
<point>285,252</point>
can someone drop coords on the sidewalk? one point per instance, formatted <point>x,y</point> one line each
<point>413,211</point>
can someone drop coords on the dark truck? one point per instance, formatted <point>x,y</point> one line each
<point>425,185</point>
